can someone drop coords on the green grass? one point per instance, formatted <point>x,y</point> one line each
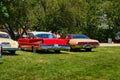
<point>102,63</point>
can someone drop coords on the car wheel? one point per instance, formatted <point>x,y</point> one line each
<point>71,49</point>
<point>57,51</point>
<point>89,49</point>
<point>12,52</point>
<point>21,48</point>
<point>33,49</point>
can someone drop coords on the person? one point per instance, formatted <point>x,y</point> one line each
<point>58,34</point>
<point>54,33</point>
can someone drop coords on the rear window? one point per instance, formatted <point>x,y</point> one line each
<point>80,37</point>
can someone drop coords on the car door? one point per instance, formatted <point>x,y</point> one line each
<point>24,42</point>
<point>33,41</point>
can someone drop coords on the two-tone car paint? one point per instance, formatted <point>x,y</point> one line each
<point>80,41</point>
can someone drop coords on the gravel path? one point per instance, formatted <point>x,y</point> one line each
<point>109,44</point>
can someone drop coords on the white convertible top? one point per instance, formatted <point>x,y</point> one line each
<point>40,32</point>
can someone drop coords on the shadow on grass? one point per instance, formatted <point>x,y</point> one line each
<point>83,51</point>
<point>9,54</point>
<point>61,52</point>
<point>1,62</point>
<point>47,52</point>
<point>64,52</point>
<point>51,52</point>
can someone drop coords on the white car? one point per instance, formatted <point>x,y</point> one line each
<point>7,43</point>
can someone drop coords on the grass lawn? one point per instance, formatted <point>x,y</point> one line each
<point>102,63</point>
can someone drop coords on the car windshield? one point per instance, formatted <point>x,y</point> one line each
<point>4,36</point>
<point>45,36</point>
<point>80,37</point>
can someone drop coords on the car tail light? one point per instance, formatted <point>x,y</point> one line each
<point>94,43</point>
<point>82,43</point>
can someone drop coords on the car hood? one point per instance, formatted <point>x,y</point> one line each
<point>12,42</point>
<point>75,41</point>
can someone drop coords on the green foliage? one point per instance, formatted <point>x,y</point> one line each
<point>3,12</point>
<point>67,16</point>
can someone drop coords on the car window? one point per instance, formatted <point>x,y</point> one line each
<point>68,36</point>
<point>45,36</point>
<point>4,36</point>
<point>80,36</point>
<point>31,35</point>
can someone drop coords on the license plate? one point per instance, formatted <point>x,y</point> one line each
<point>6,46</point>
<point>55,45</point>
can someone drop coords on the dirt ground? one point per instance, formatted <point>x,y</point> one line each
<point>109,44</point>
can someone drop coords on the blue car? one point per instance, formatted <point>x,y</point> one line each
<point>0,51</point>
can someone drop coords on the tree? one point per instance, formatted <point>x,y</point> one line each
<point>3,12</point>
<point>17,15</point>
<point>95,18</point>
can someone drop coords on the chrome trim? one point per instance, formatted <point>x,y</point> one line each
<point>86,46</point>
<point>10,49</point>
<point>55,47</point>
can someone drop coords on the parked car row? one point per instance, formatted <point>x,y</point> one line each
<point>36,41</point>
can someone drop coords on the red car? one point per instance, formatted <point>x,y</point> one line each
<point>42,41</point>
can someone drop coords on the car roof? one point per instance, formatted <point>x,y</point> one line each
<point>75,34</point>
<point>40,32</point>
<point>3,32</point>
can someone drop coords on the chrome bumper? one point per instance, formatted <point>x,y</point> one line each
<point>55,47</point>
<point>10,49</point>
<point>86,46</point>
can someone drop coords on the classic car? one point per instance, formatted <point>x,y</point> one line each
<point>117,37</point>
<point>0,51</point>
<point>37,41</point>
<point>7,43</point>
<point>80,41</point>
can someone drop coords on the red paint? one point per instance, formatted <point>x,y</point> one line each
<point>36,42</point>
